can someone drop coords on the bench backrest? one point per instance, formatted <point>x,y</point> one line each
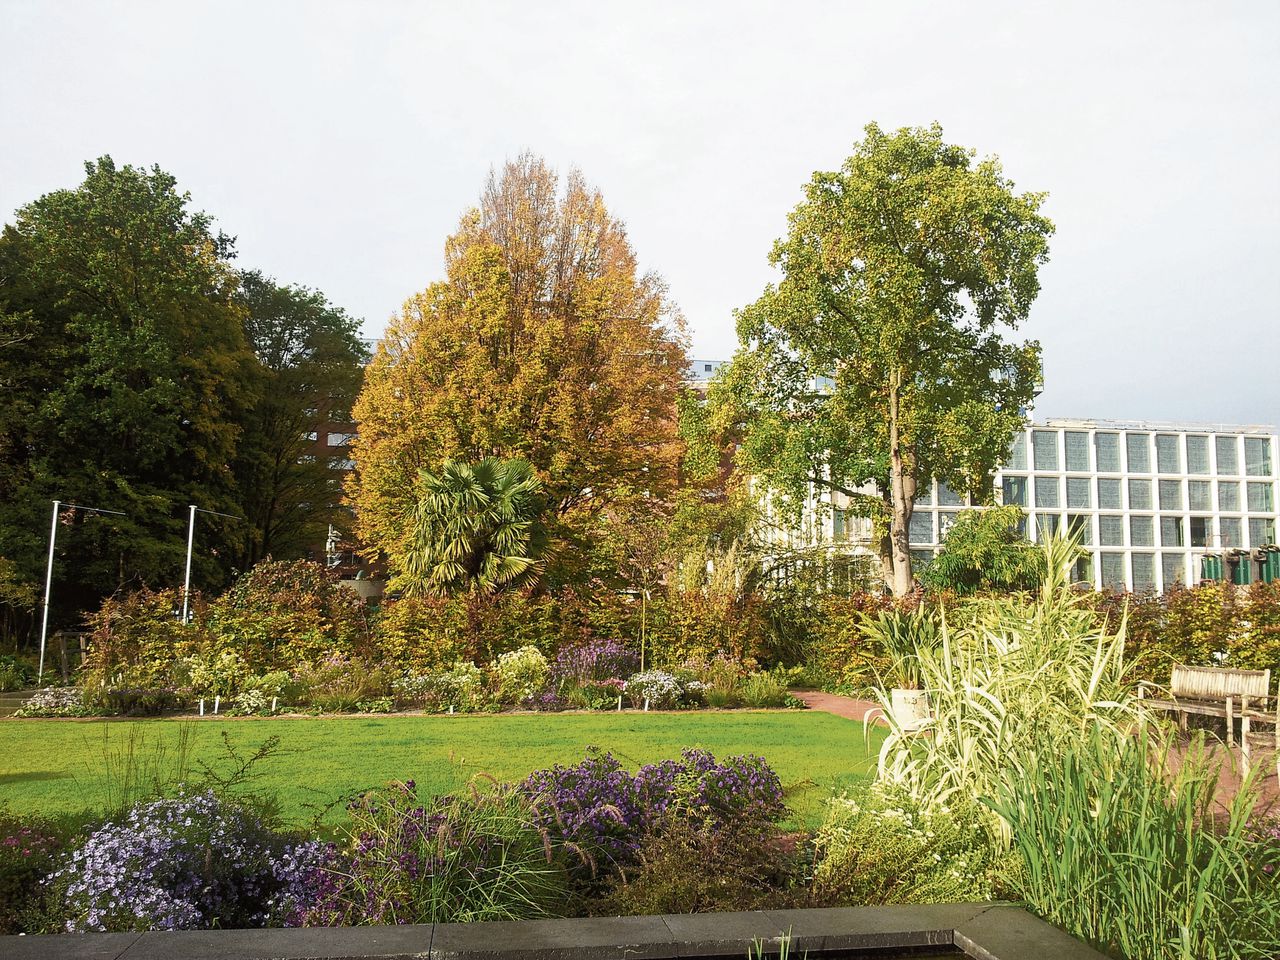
<point>1218,683</point>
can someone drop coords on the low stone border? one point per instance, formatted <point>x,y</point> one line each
<point>980,930</point>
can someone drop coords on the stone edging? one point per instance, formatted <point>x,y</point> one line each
<point>984,931</point>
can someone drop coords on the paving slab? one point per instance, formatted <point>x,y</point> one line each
<point>1008,932</point>
<point>591,938</point>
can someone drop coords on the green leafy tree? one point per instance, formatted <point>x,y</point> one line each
<point>983,550</point>
<point>310,366</point>
<point>877,361</point>
<point>125,377</point>
<point>476,528</point>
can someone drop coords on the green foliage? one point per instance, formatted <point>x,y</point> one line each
<point>880,846</point>
<point>902,636</point>
<point>742,864</point>
<point>15,674</point>
<point>126,375</point>
<point>137,639</point>
<point>878,358</point>
<point>761,690</point>
<point>1140,859</point>
<point>282,613</point>
<point>839,655</point>
<point>309,370</point>
<point>520,675</point>
<point>476,528</point>
<point>983,550</point>
<point>338,685</point>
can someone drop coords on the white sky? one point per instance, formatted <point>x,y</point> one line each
<point>339,142</point>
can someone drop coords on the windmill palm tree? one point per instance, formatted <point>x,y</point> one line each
<point>475,528</point>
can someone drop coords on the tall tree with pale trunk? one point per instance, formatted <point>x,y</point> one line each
<point>877,362</point>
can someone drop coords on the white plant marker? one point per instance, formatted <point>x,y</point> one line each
<point>216,700</point>
<point>274,700</point>
<point>202,706</point>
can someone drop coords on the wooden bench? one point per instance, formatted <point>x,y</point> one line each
<point>1224,692</point>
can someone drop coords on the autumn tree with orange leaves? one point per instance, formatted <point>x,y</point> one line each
<point>543,342</point>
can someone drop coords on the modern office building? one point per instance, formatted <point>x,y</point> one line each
<point>1148,499</point>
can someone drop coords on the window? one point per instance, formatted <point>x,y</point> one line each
<point>924,493</point>
<point>306,458</point>
<point>1228,459</point>
<point>340,439</point>
<point>1199,496</point>
<point>948,497</point>
<point>839,525</point>
<point>1015,491</point>
<point>1113,571</point>
<point>1142,532</point>
<point>1078,493</point>
<point>1077,445</point>
<point>1144,571</point>
<point>1018,452</point>
<point>343,464</point>
<point>1171,532</point>
<point>1079,526</point>
<point>946,521</point>
<point>1111,531</point>
<point>1197,454</point>
<point>1044,444</point>
<point>310,436</point>
<point>1257,456</point>
<point>1230,529</point>
<point>921,529</point>
<point>1138,452</point>
<point>1108,494</point>
<point>1139,494</point>
<point>1047,492</point>
<point>1170,494</point>
<point>1168,456</point>
<point>921,559</point>
<point>1228,495</point>
<point>1262,531</point>
<point>1200,531</point>
<point>706,368</point>
<point>1106,450</point>
<point>1260,499</point>
<point>1172,567</point>
<point>1046,525</point>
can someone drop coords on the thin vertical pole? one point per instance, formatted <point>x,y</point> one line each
<point>48,587</point>
<point>186,587</point>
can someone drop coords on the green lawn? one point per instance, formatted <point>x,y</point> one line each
<point>65,767</point>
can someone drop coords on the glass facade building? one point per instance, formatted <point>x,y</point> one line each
<point>1148,499</point>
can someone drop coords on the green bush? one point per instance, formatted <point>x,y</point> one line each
<point>29,852</point>
<point>15,674</point>
<point>520,675</point>
<point>1140,860</point>
<point>880,847</point>
<point>764,690</point>
<point>339,685</point>
<point>136,639</point>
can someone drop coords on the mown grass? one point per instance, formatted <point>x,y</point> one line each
<point>69,768</point>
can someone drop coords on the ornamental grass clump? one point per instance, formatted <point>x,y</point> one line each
<point>187,863</point>
<point>1121,850</point>
<point>481,855</point>
<point>1010,678</point>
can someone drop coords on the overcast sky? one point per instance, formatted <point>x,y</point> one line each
<point>339,142</point>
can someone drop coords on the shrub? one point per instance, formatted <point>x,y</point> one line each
<point>338,685</point>
<point>282,613</point>
<point>593,661</point>
<point>520,675</point>
<point>15,674</point>
<point>252,703</point>
<point>137,640</point>
<point>479,856</point>
<point>764,690</point>
<point>656,688</point>
<point>881,847</point>
<point>594,694</point>
<point>720,678</point>
<point>28,854</point>
<point>56,702</point>
<point>421,634</point>
<point>688,865</point>
<point>188,863</point>
<point>134,701</point>
<point>216,674</point>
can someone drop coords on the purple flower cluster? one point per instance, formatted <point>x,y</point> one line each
<point>188,863</point>
<point>598,805</point>
<point>594,660</point>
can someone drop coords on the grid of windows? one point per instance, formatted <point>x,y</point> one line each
<point>1146,503</point>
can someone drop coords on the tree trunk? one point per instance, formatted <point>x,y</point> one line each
<point>902,494</point>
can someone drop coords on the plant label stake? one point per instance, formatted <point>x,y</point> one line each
<point>202,706</point>
<point>274,700</point>
<point>619,703</point>
<point>216,699</point>
<point>646,704</point>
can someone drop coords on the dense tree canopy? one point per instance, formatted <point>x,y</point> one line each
<point>125,376</point>
<point>984,550</point>
<point>543,343</point>
<point>877,361</point>
<point>310,365</point>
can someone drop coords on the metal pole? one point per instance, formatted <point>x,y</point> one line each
<point>48,587</point>
<point>186,587</point>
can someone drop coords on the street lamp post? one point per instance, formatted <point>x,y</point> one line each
<point>58,507</point>
<point>191,539</point>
